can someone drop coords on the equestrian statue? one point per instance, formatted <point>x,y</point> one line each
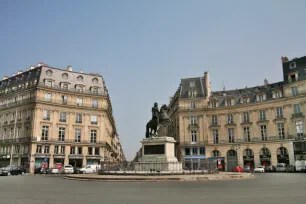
<point>159,119</point>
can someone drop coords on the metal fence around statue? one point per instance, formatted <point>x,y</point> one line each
<point>135,168</point>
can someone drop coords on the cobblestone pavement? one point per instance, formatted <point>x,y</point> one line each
<point>265,188</point>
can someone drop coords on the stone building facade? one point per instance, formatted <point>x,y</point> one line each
<point>251,126</point>
<point>50,116</point>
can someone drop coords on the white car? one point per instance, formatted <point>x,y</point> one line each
<point>260,169</point>
<point>54,171</point>
<point>68,169</point>
<point>89,169</point>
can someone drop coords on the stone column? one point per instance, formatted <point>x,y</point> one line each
<point>67,152</point>
<point>51,160</point>
<point>32,152</point>
<point>290,152</point>
<point>85,152</point>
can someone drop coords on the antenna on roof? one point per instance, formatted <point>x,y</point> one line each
<point>223,86</point>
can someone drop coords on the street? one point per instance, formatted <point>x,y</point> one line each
<point>264,188</point>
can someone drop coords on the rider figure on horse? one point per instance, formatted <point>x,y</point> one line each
<point>155,113</point>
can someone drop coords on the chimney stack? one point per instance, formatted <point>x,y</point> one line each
<point>81,71</point>
<point>19,72</point>
<point>284,59</point>
<point>69,68</point>
<point>5,77</point>
<point>266,82</point>
<point>40,64</point>
<point>207,84</point>
<point>32,67</point>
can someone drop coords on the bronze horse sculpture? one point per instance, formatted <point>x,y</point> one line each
<point>162,120</point>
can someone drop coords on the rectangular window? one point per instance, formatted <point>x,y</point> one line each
<point>95,90</point>
<point>56,149</point>
<point>294,91</point>
<point>78,150</point>
<point>194,151</point>
<point>28,115</point>
<point>246,134</point>
<point>61,134</point>
<point>231,136</point>
<point>214,120</point>
<point>260,98</point>
<point>48,83</point>
<point>299,128</point>
<point>279,112</point>
<point>93,136</point>
<point>47,150</point>
<point>281,131</point>
<point>79,101</point>
<point>79,89</point>
<point>262,115</point>
<point>65,100</point>
<point>193,121</point>
<point>193,136</point>
<point>46,115</point>
<point>62,150</point>
<point>12,133</point>
<point>39,149</point>
<point>277,94</point>
<point>90,150</point>
<point>78,134</point>
<point>26,131</point>
<point>17,149</point>
<point>230,119</point>
<point>213,104</point>
<point>63,117</point>
<point>97,152</point>
<point>296,108</point>
<point>45,133</point>
<point>19,115</point>
<point>48,97</point>
<point>215,136</point>
<point>192,104</point>
<point>65,86</point>
<point>263,132</point>
<point>78,118</point>
<point>94,120</point>
<point>94,103</point>
<point>202,150</point>
<point>229,102</point>
<point>187,151</point>
<point>72,150</point>
<point>18,132</point>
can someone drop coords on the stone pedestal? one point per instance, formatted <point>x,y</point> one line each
<point>158,155</point>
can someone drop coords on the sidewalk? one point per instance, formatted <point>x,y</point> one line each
<point>122,178</point>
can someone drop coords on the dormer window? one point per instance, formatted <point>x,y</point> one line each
<point>244,100</point>
<point>213,104</point>
<point>261,97</point>
<point>292,77</point>
<point>292,65</point>
<point>79,88</point>
<point>191,84</point>
<point>95,80</point>
<point>80,78</point>
<point>49,72</point>
<point>65,76</point>
<point>277,94</point>
<point>228,102</point>
<point>65,86</point>
<point>48,83</point>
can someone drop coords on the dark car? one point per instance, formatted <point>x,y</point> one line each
<point>77,170</point>
<point>247,169</point>
<point>290,168</point>
<point>270,168</point>
<point>41,170</point>
<point>18,171</point>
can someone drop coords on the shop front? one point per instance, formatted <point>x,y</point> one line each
<point>220,162</point>
<point>300,150</point>
<point>282,155</point>
<point>265,157</point>
<point>76,160</point>
<point>58,161</point>
<point>248,158</point>
<point>93,160</point>
<point>42,162</point>
<point>193,162</point>
<point>4,160</point>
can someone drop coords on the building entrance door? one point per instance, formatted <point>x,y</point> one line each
<point>232,160</point>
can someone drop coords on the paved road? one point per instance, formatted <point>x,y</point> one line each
<point>264,188</point>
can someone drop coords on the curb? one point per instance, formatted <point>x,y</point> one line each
<point>159,179</point>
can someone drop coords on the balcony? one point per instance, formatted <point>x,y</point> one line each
<point>89,156</point>
<point>42,155</point>
<point>298,115</point>
<point>94,123</point>
<point>58,87</point>
<point>75,156</point>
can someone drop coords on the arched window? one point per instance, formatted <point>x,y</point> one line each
<point>80,78</point>
<point>264,151</point>
<point>216,153</point>
<point>282,151</point>
<point>231,153</point>
<point>248,152</point>
<point>65,76</point>
<point>49,72</point>
<point>95,80</point>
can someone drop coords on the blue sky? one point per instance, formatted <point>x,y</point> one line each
<point>144,48</point>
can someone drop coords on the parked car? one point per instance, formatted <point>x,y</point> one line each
<point>4,172</point>
<point>77,170</point>
<point>260,169</point>
<point>18,170</point>
<point>41,170</point>
<point>300,166</point>
<point>247,169</point>
<point>53,171</point>
<point>237,169</point>
<point>280,167</point>
<point>89,169</point>
<point>68,169</point>
<point>290,168</point>
<point>270,168</point>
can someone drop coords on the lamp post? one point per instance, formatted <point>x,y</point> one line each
<point>236,147</point>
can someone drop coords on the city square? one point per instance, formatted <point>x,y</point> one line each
<point>152,102</point>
